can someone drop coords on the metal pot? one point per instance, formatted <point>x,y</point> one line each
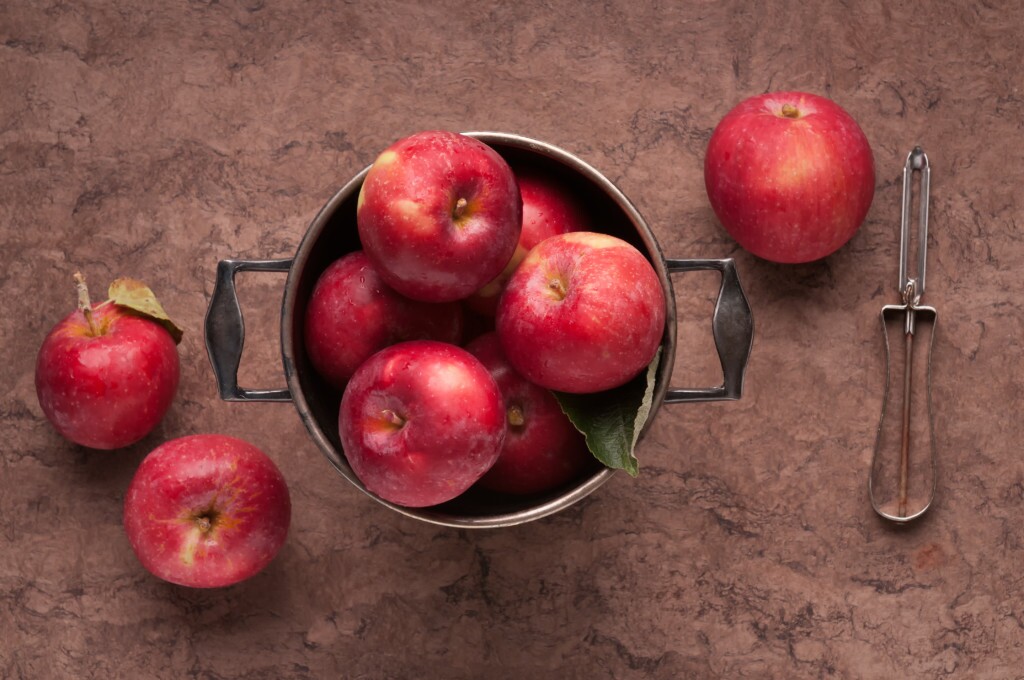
<point>333,233</point>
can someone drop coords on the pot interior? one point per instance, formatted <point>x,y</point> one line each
<point>333,233</point>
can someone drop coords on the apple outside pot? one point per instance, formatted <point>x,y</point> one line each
<point>333,233</point>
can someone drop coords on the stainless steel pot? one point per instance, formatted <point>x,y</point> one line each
<point>333,233</point>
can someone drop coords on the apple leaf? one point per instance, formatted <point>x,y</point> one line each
<point>137,297</point>
<point>611,421</point>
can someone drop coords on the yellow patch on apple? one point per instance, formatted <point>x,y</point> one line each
<point>592,239</point>
<point>411,214</point>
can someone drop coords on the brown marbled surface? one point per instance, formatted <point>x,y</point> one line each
<point>152,139</point>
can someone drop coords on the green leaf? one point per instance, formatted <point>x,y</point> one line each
<point>611,421</point>
<point>136,296</point>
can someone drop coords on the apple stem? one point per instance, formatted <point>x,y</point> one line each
<point>84,303</point>
<point>515,415</point>
<point>790,111</point>
<point>392,418</point>
<point>204,523</point>
<point>558,288</point>
<point>460,208</point>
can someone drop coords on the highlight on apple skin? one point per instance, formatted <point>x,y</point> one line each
<point>206,511</point>
<point>584,312</point>
<point>439,215</point>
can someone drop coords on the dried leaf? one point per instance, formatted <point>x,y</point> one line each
<point>137,297</point>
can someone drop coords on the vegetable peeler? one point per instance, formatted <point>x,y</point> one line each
<point>902,482</point>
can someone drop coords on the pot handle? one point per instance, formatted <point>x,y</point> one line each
<point>733,327</point>
<point>225,330</point>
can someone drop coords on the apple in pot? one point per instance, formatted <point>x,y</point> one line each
<point>542,449</point>
<point>106,374</point>
<point>584,312</point>
<point>549,209</point>
<point>206,511</point>
<point>420,422</point>
<point>790,176</point>
<point>352,314</point>
<point>439,215</point>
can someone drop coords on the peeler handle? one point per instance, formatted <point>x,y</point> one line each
<point>895,497</point>
<point>225,330</point>
<point>733,328</point>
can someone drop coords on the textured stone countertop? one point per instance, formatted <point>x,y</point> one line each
<point>154,140</point>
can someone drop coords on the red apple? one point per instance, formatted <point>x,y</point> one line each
<point>584,312</point>
<point>549,209</point>
<point>420,422</point>
<point>439,215</point>
<point>352,313</point>
<point>790,176</point>
<point>206,511</point>
<point>105,375</point>
<point>543,450</point>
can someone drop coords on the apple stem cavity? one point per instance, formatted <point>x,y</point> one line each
<point>557,287</point>
<point>790,111</point>
<point>84,303</point>
<point>460,208</point>
<point>392,418</point>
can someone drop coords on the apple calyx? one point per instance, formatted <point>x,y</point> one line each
<point>790,111</point>
<point>515,416</point>
<point>206,521</point>
<point>85,304</point>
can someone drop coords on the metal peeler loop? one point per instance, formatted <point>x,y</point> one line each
<point>909,294</point>
<point>916,160</point>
